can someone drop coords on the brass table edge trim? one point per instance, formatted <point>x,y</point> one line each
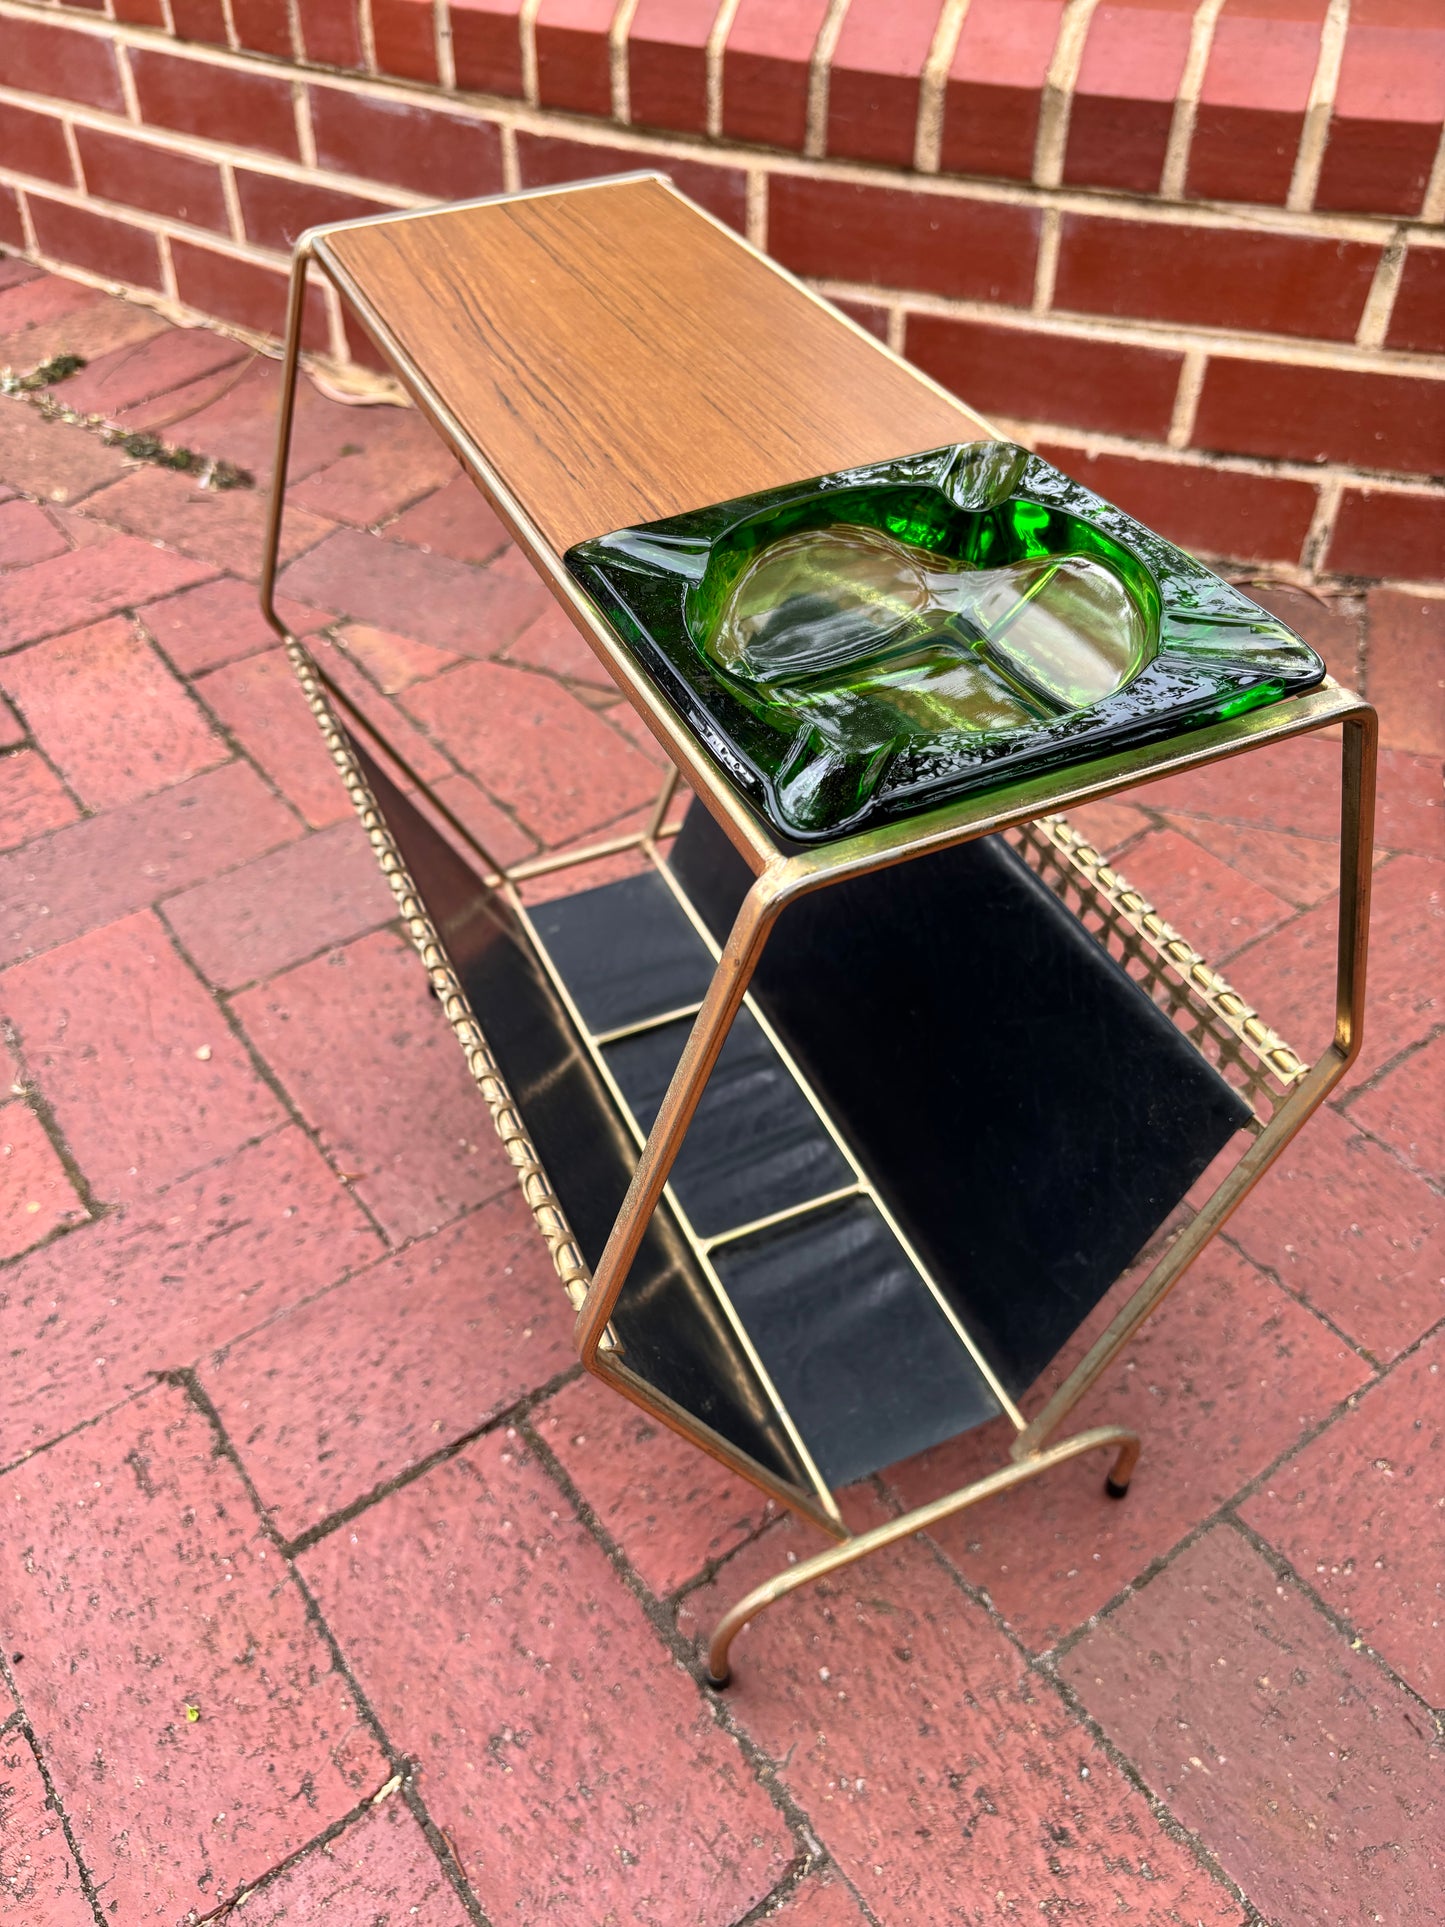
<point>949,823</point>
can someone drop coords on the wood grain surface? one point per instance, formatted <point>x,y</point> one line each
<point>618,357</point>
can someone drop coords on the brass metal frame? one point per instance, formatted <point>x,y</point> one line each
<point>1281,1089</point>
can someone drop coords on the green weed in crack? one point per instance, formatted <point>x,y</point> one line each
<point>209,470</point>
<point>60,368</point>
<point>139,444</point>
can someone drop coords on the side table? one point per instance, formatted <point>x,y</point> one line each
<point>834,1145</point>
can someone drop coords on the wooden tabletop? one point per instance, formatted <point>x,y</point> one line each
<point>615,356</point>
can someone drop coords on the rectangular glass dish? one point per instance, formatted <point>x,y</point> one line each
<point>860,646</point>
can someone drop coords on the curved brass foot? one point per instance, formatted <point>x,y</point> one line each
<point>821,1564</point>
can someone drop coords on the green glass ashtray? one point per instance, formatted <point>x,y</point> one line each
<point>864,645</point>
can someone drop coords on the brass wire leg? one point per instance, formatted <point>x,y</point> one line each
<point>919,1520</point>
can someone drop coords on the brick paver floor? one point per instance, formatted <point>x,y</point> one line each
<point>327,1579</point>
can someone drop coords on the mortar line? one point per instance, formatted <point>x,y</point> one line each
<point>1045,1662</point>
<point>381,1254</point>
<point>305,132</point>
<point>1088,442</point>
<point>366,31</point>
<point>32,742</point>
<point>757,209</point>
<point>1241,822</point>
<point>772,1903</point>
<point>684,1652</point>
<point>1230,343</point>
<point>511,164</point>
<point>1228,1238</point>
<point>27,224</point>
<point>527,35</point>
<point>1432,208</point>
<point>1167,1820</point>
<point>498,110</point>
<point>1046,267</point>
<point>1057,100</point>
<point>231,196</point>
<point>264,1072</point>
<point>820,73</point>
<point>1186,399</point>
<point>1283,1569</point>
<point>226,245</point>
<point>773,1514</point>
<point>278,1870</point>
<point>1342,1106</point>
<point>150,1377</point>
<point>1194,824</point>
<point>95,1209</point>
<point>1035,1665</point>
<point>237,746</point>
<point>445,53</point>
<point>1223,1513</point>
<point>933,86</point>
<point>507,1419</point>
<point>86,1879</point>
<point>617,61</point>
<point>1316,130</point>
<point>1322,523</point>
<point>400,1763</point>
<point>1385,285</point>
<point>713,54</point>
<point>87,1424</point>
<point>335,324</point>
<point>1186,99</point>
<point>132,116</point>
<point>1226,1513</point>
<point>72,148</point>
<point>1403,585</point>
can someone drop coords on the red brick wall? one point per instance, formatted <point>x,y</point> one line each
<point>1191,249</point>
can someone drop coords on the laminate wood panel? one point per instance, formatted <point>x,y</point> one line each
<point>617,357</point>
